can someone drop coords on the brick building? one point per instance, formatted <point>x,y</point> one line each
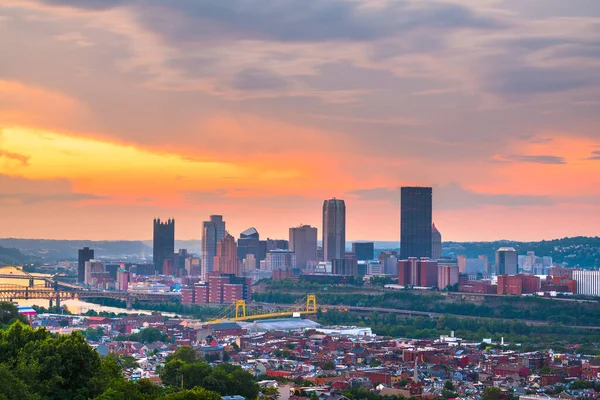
<point>518,284</point>
<point>418,272</point>
<point>220,288</point>
<point>559,284</point>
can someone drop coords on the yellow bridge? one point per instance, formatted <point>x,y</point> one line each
<point>240,311</point>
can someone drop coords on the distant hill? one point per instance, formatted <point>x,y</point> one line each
<point>57,250</point>
<point>12,256</point>
<point>578,251</point>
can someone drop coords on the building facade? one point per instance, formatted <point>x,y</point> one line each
<point>415,222</point>
<point>212,233</point>
<point>334,229</point>
<point>226,260</point>
<point>163,245</point>
<point>588,282</point>
<point>303,242</point>
<point>249,244</point>
<point>389,260</point>
<point>84,255</point>
<point>280,259</point>
<point>365,251</point>
<point>418,272</point>
<point>447,276</point>
<point>506,261</point>
<point>436,243</point>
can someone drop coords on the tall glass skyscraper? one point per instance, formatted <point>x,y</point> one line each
<point>334,229</point>
<point>163,245</point>
<point>415,222</point>
<point>212,233</point>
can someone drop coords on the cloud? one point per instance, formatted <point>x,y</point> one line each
<point>595,155</point>
<point>294,20</point>
<point>454,197</point>
<point>535,159</point>
<point>30,198</point>
<point>526,80</point>
<point>20,158</point>
<point>258,79</point>
<point>31,191</point>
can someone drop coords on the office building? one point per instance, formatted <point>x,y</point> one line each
<point>212,233</point>
<point>163,244</point>
<point>415,222</point>
<point>218,288</point>
<point>447,276</point>
<point>277,244</point>
<point>364,251</point>
<point>280,259</point>
<point>518,284</point>
<point>303,242</point>
<point>249,243</point>
<point>506,261</point>
<point>588,282</point>
<point>436,243</point>
<point>418,272</point>
<point>389,260</point>
<point>344,266</point>
<point>95,273</point>
<point>226,260</point>
<point>193,266</point>
<point>122,280</point>
<point>84,255</point>
<point>334,229</point>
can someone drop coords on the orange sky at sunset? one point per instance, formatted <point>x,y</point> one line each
<point>114,113</point>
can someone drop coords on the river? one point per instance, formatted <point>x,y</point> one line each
<point>74,306</point>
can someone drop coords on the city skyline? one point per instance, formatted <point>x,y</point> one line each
<point>120,112</point>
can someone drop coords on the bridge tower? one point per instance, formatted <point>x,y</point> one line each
<point>311,303</point>
<point>240,308</point>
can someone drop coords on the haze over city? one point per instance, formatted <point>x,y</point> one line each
<point>113,113</point>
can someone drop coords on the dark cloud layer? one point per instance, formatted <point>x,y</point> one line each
<point>294,20</point>
<point>454,196</point>
<point>536,159</point>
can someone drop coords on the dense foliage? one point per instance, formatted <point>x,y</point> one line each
<point>35,365</point>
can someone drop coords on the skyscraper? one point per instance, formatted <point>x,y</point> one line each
<point>303,242</point>
<point>212,233</point>
<point>415,222</point>
<point>506,261</point>
<point>334,229</point>
<point>226,260</point>
<point>85,254</point>
<point>163,243</point>
<point>436,243</point>
<point>365,251</point>
<point>249,243</point>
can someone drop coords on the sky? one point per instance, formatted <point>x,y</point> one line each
<point>114,112</point>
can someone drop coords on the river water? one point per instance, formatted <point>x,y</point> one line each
<point>75,306</point>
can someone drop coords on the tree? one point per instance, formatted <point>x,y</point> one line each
<point>197,393</point>
<point>128,361</point>
<point>185,354</point>
<point>491,393</point>
<point>271,392</point>
<point>93,335</point>
<point>449,385</point>
<point>328,366</point>
<point>9,313</point>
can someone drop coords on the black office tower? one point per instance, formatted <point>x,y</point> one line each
<point>415,222</point>
<point>163,244</point>
<point>365,251</point>
<point>85,254</point>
